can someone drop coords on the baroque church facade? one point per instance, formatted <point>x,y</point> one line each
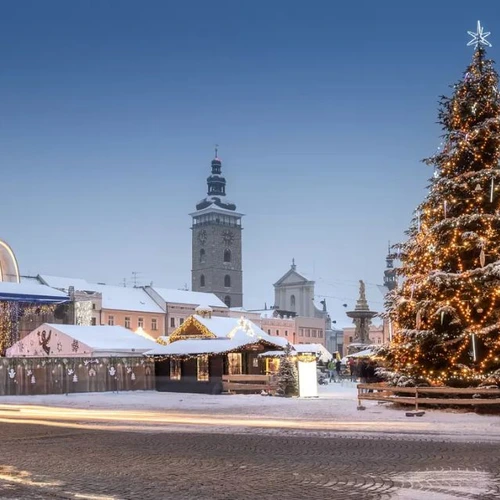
<point>217,242</point>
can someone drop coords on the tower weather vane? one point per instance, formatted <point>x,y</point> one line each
<point>479,38</point>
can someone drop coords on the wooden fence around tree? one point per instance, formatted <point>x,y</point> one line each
<point>439,396</point>
<point>29,376</point>
<point>249,383</point>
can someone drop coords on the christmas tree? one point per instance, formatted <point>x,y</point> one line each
<point>288,381</point>
<point>446,310</point>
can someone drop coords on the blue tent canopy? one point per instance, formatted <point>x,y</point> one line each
<point>28,292</point>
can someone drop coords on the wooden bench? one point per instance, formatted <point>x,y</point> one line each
<point>413,395</point>
<point>248,383</point>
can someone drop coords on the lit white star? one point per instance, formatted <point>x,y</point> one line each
<point>479,37</point>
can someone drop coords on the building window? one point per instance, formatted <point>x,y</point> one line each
<point>172,322</point>
<point>350,339</point>
<point>234,363</point>
<point>286,333</point>
<point>227,255</point>
<point>175,369</point>
<point>202,255</point>
<point>127,322</point>
<point>154,324</point>
<point>320,334</point>
<point>308,332</point>
<point>227,281</point>
<point>313,333</point>
<point>379,340</point>
<point>140,322</point>
<point>93,322</point>
<point>111,320</point>
<point>269,331</point>
<point>202,280</point>
<point>181,320</point>
<point>292,302</point>
<point>93,306</point>
<point>277,332</point>
<point>202,365</point>
<point>227,300</point>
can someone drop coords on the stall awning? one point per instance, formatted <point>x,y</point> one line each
<point>29,292</point>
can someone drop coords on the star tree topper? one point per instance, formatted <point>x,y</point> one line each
<point>479,38</point>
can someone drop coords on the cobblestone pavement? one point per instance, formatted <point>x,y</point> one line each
<point>38,462</point>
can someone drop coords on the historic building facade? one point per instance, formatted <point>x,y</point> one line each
<point>216,243</point>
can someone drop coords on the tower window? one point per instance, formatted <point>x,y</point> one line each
<point>202,280</point>
<point>202,255</point>
<point>227,255</point>
<point>227,300</point>
<point>227,281</point>
<point>292,302</point>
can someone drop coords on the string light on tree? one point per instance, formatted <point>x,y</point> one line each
<point>446,312</point>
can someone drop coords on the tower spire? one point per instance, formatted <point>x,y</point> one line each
<point>216,186</point>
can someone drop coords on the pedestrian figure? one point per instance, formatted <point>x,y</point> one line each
<point>331,369</point>
<point>351,364</point>
<point>338,364</point>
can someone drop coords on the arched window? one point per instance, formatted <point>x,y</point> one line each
<point>227,281</point>
<point>227,300</point>
<point>202,280</point>
<point>227,255</point>
<point>202,255</point>
<point>292,302</point>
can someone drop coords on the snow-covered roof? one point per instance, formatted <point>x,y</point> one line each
<point>172,296</point>
<point>119,298</point>
<point>63,283</point>
<point>127,299</point>
<point>30,292</point>
<point>231,334</point>
<point>105,338</point>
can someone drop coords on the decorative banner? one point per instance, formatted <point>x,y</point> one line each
<point>442,317</point>
<point>473,341</point>
<point>418,320</point>
<point>482,257</point>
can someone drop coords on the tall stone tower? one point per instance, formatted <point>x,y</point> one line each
<point>216,243</point>
<point>390,276</point>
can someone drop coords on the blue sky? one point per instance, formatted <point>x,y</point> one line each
<point>323,110</point>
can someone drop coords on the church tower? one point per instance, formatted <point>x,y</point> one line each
<point>216,242</point>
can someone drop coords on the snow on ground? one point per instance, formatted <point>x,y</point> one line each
<point>334,411</point>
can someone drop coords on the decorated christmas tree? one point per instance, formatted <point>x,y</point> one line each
<point>288,381</point>
<point>446,310</point>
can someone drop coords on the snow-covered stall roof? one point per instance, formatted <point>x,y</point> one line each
<point>173,296</point>
<point>366,353</point>
<point>230,334</point>
<point>30,292</point>
<point>52,339</point>
<point>317,349</point>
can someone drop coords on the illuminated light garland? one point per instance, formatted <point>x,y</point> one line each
<point>446,312</point>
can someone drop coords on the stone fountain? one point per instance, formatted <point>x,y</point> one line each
<point>362,318</point>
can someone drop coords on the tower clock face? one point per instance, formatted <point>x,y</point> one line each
<point>228,237</point>
<point>202,236</point>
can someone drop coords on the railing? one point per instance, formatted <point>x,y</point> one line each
<point>248,383</point>
<point>413,395</point>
